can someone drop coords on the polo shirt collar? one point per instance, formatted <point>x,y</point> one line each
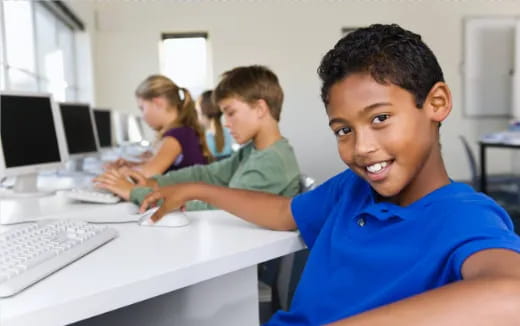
<point>383,210</point>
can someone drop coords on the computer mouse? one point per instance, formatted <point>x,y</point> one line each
<point>171,219</point>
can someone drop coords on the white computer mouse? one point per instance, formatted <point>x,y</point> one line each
<point>171,219</point>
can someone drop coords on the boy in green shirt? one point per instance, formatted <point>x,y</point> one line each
<point>251,100</point>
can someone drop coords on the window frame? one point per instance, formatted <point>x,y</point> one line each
<point>196,34</point>
<point>62,17</point>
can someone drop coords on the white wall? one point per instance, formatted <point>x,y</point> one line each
<point>290,37</point>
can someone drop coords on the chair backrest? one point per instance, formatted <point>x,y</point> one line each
<point>472,162</point>
<point>306,183</point>
<point>290,270</point>
<point>291,266</point>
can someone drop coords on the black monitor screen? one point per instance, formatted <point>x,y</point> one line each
<point>79,130</point>
<point>27,131</point>
<point>104,127</point>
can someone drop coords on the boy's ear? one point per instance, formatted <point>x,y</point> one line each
<point>438,102</point>
<point>261,107</point>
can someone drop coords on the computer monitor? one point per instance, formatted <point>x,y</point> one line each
<point>121,128</point>
<point>149,135</point>
<point>80,130</point>
<point>80,133</point>
<point>31,138</point>
<point>103,120</point>
<point>135,132</point>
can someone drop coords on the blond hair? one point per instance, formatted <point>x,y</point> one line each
<point>159,85</point>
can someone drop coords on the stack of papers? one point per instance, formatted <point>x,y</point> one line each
<point>503,137</point>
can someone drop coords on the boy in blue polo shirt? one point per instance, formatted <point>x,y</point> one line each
<point>393,241</point>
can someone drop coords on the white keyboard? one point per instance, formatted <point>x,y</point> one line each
<point>92,195</point>
<point>30,253</point>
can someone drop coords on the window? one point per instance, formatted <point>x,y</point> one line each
<point>38,48</point>
<point>2,51</point>
<point>488,66</point>
<point>184,59</point>
<point>19,44</point>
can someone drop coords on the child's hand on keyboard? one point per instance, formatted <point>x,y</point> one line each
<point>116,182</point>
<point>117,164</point>
<point>138,178</point>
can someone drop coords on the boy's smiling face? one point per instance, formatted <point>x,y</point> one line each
<point>384,138</point>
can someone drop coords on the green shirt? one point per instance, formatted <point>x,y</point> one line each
<point>273,169</point>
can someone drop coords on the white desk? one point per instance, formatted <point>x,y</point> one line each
<point>58,206</point>
<point>16,210</point>
<point>201,274</point>
<point>204,274</point>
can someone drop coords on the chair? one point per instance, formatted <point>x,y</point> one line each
<point>279,277</point>
<point>496,182</point>
<point>290,270</point>
<point>504,188</point>
<point>306,183</point>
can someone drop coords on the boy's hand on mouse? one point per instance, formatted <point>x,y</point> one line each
<point>172,197</point>
<point>115,182</point>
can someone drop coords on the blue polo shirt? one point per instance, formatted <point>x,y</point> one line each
<point>365,254</point>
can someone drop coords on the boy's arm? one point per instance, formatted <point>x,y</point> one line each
<point>265,172</point>
<point>218,173</point>
<point>489,294</point>
<point>267,210</point>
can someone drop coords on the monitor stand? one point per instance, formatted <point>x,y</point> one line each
<point>76,165</point>
<point>26,185</point>
<point>77,168</point>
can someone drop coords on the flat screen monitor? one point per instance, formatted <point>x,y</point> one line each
<point>148,133</point>
<point>79,129</point>
<point>121,128</point>
<point>31,137</point>
<point>135,132</point>
<point>103,120</point>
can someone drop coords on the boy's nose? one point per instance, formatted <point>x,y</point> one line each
<point>365,144</point>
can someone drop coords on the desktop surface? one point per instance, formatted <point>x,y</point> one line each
<point>18,210</point>
<point>147,262</point>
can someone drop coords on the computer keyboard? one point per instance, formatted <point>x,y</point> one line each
<point>92,195</point>
<point>30,253</point>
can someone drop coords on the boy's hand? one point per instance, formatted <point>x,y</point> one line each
<point>172,197</point>
<point>115,182</point>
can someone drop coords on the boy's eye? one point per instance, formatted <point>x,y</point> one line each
<point>380,118</point>
<point>342,131</point>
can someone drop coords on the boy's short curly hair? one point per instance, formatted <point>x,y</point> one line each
<point>389,53</point>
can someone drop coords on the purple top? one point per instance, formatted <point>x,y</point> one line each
<point>191,150</point>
